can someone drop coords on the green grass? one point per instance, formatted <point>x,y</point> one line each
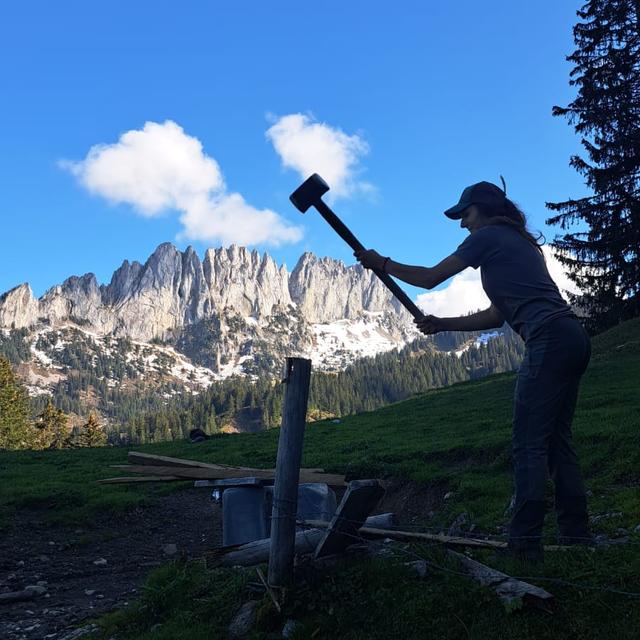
<point>458,436</point>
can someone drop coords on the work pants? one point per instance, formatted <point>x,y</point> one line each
<point>545,400</point>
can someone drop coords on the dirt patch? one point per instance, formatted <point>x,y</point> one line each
<point>69,562</point>
<point>412,502</point>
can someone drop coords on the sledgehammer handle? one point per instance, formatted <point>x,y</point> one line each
<point>341,229</point>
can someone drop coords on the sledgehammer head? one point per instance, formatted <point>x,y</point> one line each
<point>309,192</point>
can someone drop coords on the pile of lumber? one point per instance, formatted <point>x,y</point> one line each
<point>154,468</point>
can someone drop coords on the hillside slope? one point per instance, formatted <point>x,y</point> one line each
<point>451,442</point>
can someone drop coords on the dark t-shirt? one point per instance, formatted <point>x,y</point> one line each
<point>514,277</point>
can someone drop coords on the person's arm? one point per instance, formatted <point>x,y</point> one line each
<point>425,277</point>
<point>490,318</point>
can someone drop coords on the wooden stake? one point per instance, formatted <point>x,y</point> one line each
<point>285,491</point>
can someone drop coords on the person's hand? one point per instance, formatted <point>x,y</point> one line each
<point>430,325</point>
<point>369,258</point>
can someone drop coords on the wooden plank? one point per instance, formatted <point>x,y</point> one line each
<point>507,588</point>
<point>417,536</point>
<point>359,500</point>
<point>135,457</point>
<point>234,482</point>
<point>285,490</point>
<point>196,473</point>
<point>139,479</point>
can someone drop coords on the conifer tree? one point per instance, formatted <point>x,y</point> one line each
<point>603,254</point>
<point>52,428</point>
<point>16,430</point>
<point>91,433</point>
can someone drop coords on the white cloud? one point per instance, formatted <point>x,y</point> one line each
<point>464,294</point>
<point>160,168</point>
<point>558,273</point>
<point>310,147</point>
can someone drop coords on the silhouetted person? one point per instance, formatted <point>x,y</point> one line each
<point>517,282</point>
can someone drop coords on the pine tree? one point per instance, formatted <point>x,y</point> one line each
<point>16,431</point>
<point>91,434</point>
<point>52,428</point>
<point>603,258</point>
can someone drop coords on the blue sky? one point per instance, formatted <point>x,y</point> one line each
<point>421,99</point>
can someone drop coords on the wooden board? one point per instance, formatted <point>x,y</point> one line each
<point>138,479</point>
<point>201,473</point>
<point>135,457</point>
<point>359,500</point>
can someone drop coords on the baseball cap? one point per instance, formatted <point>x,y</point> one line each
<point>479,193</point>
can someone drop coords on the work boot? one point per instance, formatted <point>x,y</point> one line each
<point>573,521</point>
<point>525,531</point>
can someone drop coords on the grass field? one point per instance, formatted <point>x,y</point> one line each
<point>458,436</point>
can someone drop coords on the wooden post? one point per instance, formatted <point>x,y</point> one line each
<point>285,491</point>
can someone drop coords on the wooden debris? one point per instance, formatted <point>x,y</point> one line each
<point>507,588</point>
<point>416,536</point>
<point>202,473</point>
<point>257,552</point>
<point>269,589</point>
<point>359,500</point>
<point>138,458</point>
<point>138,479</point>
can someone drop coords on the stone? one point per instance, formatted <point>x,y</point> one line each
<point>169,549</point>
<point>100,562</point>
<point>89,592</point>
<point>419,567</point>
<point>636,529</point>
<point>458,524</point>
<point>244,619</point>
<point>36,589</point>
<point>289,628</point>
<point>448,495</point>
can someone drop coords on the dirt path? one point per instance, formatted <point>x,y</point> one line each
<point>69,563</point>
<point>90,571</point>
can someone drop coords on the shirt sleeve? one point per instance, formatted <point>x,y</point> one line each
<point>478,248</point>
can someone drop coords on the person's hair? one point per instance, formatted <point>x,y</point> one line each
<point>512,216</point>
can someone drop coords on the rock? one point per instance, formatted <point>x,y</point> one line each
<point>636,529</point>
<point>43,558</point>
<point>244,619</point>
<point>89,592</point>
<point>100,562</point>
<point>42,583</point>
<point>289,628</point>
<point>36,589</point>
<point>419,567</point>
<point>169,549</point>
<point>458,524</point>
<point>336,421</point>
<point>81,633</point>
<point>606,516</point>
<point>20,563</point>
<point>448,495</point>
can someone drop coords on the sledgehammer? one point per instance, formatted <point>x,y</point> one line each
<point>309,194</point>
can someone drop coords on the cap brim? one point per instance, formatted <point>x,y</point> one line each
<point>455,213</point>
